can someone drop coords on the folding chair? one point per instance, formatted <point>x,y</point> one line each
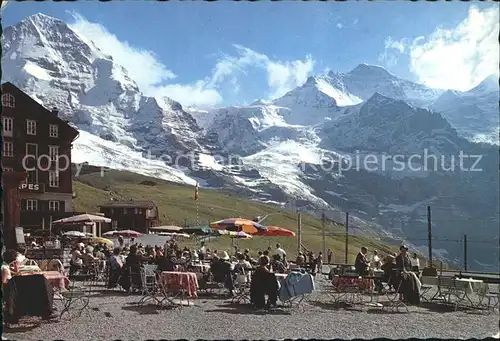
<point>485,294</point>
<point>394,302</point>
<point>77,297</point>
<point>150,287</point>
<point>448,288</point>
<point>242,287</point>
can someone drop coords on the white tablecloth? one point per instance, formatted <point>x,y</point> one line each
<point>468,284</point>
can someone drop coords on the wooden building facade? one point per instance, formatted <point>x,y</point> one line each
<point>36,142</point>
<point>131,215</point>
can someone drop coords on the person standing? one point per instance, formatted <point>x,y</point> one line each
<point>329,256</point>
<point>376,260</point>
<point>280,252</point>
<point>415,264</point>
<point>319,263</point>
<point>361,264</point>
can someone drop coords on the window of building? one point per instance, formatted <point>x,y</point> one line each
<point>32,177</point>
<point>53,179</point>
<point>137,211</point>
<point>54,205</point>
<point>53,130</point>
<point>30,127</point>
<point>31,205</point>
<point>8,101</point>
<point>114,224</point>
<point>53,152</point>
<point>32,149</point>
<point>8,149</point>
<point>8,124</point>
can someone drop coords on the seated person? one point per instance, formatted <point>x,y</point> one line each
<point>55,264</point>
<point>166,263</point>
<point>88,259</point>
<point>361,264</point>
<point>263,283</point>
<point>277,265</point>
<point>115,268</point>
<point>9,257</point>
<point>221,270</point>
<point>388,268</point>
<point>131,277</point>
<point>76,262</point>
<point>242,268</point>
<point>300,261</point>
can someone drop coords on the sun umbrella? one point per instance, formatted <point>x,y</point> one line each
<point>174,234</point>
<point>82,219</point>
<point>74,234</point>
<point>169,228</point>
<point>239,235</point>
<point>102,241</point>
<point>110,233</point>
<point>238,225</point>
<point>197,230</point>
<point>276,231</point>
<point>128,233</point>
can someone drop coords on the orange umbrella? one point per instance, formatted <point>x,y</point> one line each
<point>238,225</point>
<point>276,231</point>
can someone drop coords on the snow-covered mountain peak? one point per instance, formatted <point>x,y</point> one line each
<point>488,85</point>
<point>370,71</point>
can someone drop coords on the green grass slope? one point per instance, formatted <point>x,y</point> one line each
<point>177,206</point>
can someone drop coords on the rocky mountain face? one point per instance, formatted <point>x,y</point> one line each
<point>366,141</point>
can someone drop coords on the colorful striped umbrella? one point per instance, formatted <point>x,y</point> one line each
<point>276,231</point>
<point>238,225</point>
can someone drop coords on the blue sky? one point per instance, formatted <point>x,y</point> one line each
<point>221,53</point>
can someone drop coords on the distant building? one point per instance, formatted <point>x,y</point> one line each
<point>131,215</point>
<point>37,150</point>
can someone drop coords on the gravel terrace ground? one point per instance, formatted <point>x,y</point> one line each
<point>115,316</point>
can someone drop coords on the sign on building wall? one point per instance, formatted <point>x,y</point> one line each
<point>38,188</point>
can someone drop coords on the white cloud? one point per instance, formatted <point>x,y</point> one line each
<point>282,76</point>
<point>197,94</point>
<point>154,78</point>
<point>455,58</point>
<point>461,57</point>
<point>144,67</point>
<point>339,25</point>
<point>392,50</point>
<point>355,21</point>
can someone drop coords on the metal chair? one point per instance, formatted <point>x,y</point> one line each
<point>77,297</point>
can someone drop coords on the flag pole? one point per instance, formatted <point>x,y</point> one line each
<point>196,193</point>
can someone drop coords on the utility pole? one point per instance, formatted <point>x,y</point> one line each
<point>465,252</point>
<point>346,237</point>
<point>299,231</point>
<point>429,232</point>
<point>323,226</point>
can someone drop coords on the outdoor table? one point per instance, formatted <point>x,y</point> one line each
<point>363,283</point>
<point>470,285</point>
<point>181,280</point>
<point>56,279</point>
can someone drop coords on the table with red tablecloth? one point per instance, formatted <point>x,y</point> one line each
<point>56,279</point>
<point>342,282</point>
<point>176,281</point>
